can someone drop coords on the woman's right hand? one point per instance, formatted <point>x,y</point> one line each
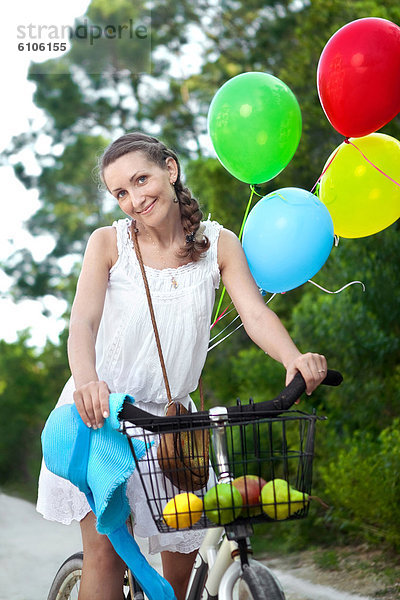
<point>92,403</point>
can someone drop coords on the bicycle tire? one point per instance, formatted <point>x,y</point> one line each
<point>262,583</point>
<point>65,584</point>
<point>252,582</point>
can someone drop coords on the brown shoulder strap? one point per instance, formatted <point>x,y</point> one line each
<point>153,320</point>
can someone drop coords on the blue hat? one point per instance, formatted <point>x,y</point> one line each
<point>99,462</point>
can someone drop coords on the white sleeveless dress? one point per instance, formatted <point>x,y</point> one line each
<point>127,360</point>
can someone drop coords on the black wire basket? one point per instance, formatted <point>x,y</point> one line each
<point>267,477</point>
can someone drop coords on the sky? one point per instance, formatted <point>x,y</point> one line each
<point>18,204</point>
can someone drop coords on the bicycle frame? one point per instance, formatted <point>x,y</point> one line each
<point>214,557</point>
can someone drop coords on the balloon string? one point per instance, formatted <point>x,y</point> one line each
<point>246,213</point>
<point>224,329</point>
<point>324,171</point>
<point>218,307</point>
<point>236,328</point>
<point>337,291</point>
<point>347,141</point>
<point>224,338</point>
<point>240,238</point>
<point>252,187</point>
<point>220,316</point>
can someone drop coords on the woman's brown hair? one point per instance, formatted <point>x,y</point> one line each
<point>157,152</point>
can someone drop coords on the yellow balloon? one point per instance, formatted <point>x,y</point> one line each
<point>360,199</point>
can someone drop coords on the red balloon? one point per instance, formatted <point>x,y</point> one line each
<point>358,76</point>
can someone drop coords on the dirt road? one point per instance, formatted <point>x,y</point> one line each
<point>31,550</point>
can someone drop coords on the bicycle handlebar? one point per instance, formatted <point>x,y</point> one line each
<point>236,414</point>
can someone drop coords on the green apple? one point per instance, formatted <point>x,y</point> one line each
<point>280,501</point>
<point>250,487</point>
<point>223,503</point>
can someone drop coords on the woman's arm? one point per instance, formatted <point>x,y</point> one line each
<point>261,324</point>
<point>91,395</point>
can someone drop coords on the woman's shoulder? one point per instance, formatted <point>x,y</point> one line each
<point>219,236</point>
<point>229,247</point>
<point>103,235</point>
<point>103,241</point>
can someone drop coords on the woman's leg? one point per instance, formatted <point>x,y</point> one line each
<point>176,569</point>
<point>103,570</point>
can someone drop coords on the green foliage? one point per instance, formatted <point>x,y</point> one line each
<point>258,376</point>
<point>358,331</point>
<point>362,483</point>
<point>30,383</point>
<point>72,208</point>
<point>327,560</point>
<point>218,192</point>
<point>125,51</point>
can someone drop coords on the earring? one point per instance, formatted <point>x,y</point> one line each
<point>175,199</point>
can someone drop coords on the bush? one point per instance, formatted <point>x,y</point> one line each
<point>362,483</point>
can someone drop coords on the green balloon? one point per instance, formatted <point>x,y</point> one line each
<point>254,122</point>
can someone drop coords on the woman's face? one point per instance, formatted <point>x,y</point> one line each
<point>144,190</point>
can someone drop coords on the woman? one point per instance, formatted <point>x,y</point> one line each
<point>111,344</point>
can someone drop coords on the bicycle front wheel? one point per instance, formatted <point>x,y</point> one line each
<point>254,582</point>
<point>66,583</point>
<point>261,582</point>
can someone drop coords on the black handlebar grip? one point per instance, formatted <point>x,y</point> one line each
<point>333,378</point>
<point>288,396</point>
<point>281,403</point>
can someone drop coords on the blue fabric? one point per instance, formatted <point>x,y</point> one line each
<point>77,468</point>
<point>99,462</point>
<point>103,459</point>
<point>154,586</point>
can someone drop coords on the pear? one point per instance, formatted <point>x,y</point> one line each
<point>223,503</point>
<point>280,501</point>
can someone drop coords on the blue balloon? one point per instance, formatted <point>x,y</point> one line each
<point>287,238</point>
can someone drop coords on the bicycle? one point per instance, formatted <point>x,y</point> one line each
<point>265,440</point>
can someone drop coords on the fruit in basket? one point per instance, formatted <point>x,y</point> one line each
<point>250,487</point>
<point>183,510</point>
<point>223,503</point>
<point>280,500</point>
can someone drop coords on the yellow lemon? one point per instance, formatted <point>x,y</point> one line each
<point>183,510</point>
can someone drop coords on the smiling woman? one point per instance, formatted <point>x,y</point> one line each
<point>112,346</point>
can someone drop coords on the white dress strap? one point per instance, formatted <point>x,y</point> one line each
<point>123,241</point>
<point>212,231</point>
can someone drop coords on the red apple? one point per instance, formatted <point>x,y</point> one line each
<point>250,488</point>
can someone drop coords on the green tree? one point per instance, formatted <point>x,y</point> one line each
<point>30,383</point>
<point>363,485</point>
<point>358,330</point>
<point>86,105</point>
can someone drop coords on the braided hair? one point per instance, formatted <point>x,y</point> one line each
<point>155,151</point>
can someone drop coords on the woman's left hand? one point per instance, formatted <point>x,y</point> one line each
<point>312,366</point>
